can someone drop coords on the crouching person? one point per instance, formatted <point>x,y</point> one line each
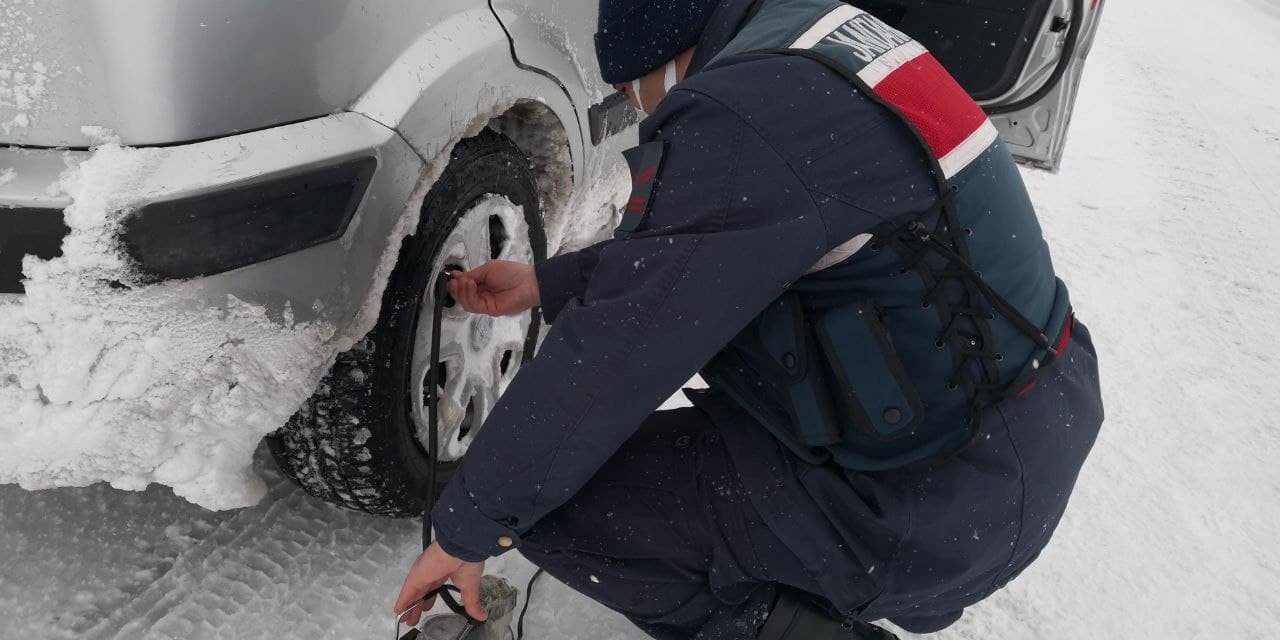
<point>828,228</point>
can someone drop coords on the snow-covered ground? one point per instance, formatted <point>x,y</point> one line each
<point>1163,221</point>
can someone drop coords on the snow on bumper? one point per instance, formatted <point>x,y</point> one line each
<point>177,382</point>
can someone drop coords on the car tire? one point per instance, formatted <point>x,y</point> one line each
<point>357,442</point>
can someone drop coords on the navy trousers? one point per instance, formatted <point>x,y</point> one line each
<point>665,535</point>
<point>673,534</point>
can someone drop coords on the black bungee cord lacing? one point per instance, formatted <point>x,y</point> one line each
<point>935,240</point>
<point>973,348</point>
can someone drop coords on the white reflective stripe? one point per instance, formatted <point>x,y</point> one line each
<point>841,253</point>
<point>825,25</point>
<point>881,67</point>
<point>967,151</point>
<point>669,76</point>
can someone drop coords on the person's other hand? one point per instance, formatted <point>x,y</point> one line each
<point>429,572</point>
<point>496,288</point>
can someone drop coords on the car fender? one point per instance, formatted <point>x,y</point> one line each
<point>453,79</point>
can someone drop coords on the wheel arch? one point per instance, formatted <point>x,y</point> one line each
<point>541,136</point>
<point>459,77</point>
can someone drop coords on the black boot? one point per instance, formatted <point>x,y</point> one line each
<point>796,617</point>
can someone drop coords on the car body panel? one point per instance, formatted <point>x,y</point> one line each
<point>433,94</point>
<point>330,281</point>
<point>168,71</point>
<point>1037,133</point>
<point>556,38</point>
<point>30,177</point>
<point>176,382</point>
<point>1021,59</point>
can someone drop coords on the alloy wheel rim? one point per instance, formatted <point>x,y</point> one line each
<point>479,355</point>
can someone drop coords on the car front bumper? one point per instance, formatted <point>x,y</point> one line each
<point>329,279</point>
<point>108,375</point>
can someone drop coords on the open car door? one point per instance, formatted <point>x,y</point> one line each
<point>1020,59</point>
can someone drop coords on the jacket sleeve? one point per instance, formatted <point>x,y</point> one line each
<point>564,277</point>
<point>730,225</point>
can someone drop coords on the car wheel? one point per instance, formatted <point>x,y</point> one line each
<point>361,441</point>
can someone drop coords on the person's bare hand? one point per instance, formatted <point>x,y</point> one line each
<point>496,288</point>
<point>429,572</point>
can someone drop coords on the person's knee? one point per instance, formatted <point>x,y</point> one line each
<point>661,604</point>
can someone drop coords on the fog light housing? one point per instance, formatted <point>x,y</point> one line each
<point>245,224</point>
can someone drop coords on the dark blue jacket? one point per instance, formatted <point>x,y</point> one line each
<point>770,162</point>
<point>730,226</point>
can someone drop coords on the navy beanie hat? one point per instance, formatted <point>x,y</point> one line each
<point>638,36</point>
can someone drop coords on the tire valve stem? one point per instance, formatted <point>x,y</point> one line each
<point>442,285</point>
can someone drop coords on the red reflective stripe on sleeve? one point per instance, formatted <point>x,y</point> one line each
<point>637,204</point>
<point>645,176</point>
<point>933,102</point>
<point>1063,341</point>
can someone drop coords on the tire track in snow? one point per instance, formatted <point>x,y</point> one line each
<point>169,589</point>
<point>295,567</point>
<point>292,559</point>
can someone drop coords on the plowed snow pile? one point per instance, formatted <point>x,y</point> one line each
<point>145,385</point>
<point>154,383</point>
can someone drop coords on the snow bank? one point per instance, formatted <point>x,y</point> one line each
<point>133,386</point>
<point>149,384</point>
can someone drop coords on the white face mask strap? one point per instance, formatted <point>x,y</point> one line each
<point>669,80</point>
<point>635,90</point>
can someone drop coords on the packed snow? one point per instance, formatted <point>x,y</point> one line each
<point>134,386</point>
<point>1162,221</point>
<point>150,384</point>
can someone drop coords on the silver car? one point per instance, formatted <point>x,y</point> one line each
<point>319,162</point>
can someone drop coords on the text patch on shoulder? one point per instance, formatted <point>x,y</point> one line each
<point>645,162</point>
